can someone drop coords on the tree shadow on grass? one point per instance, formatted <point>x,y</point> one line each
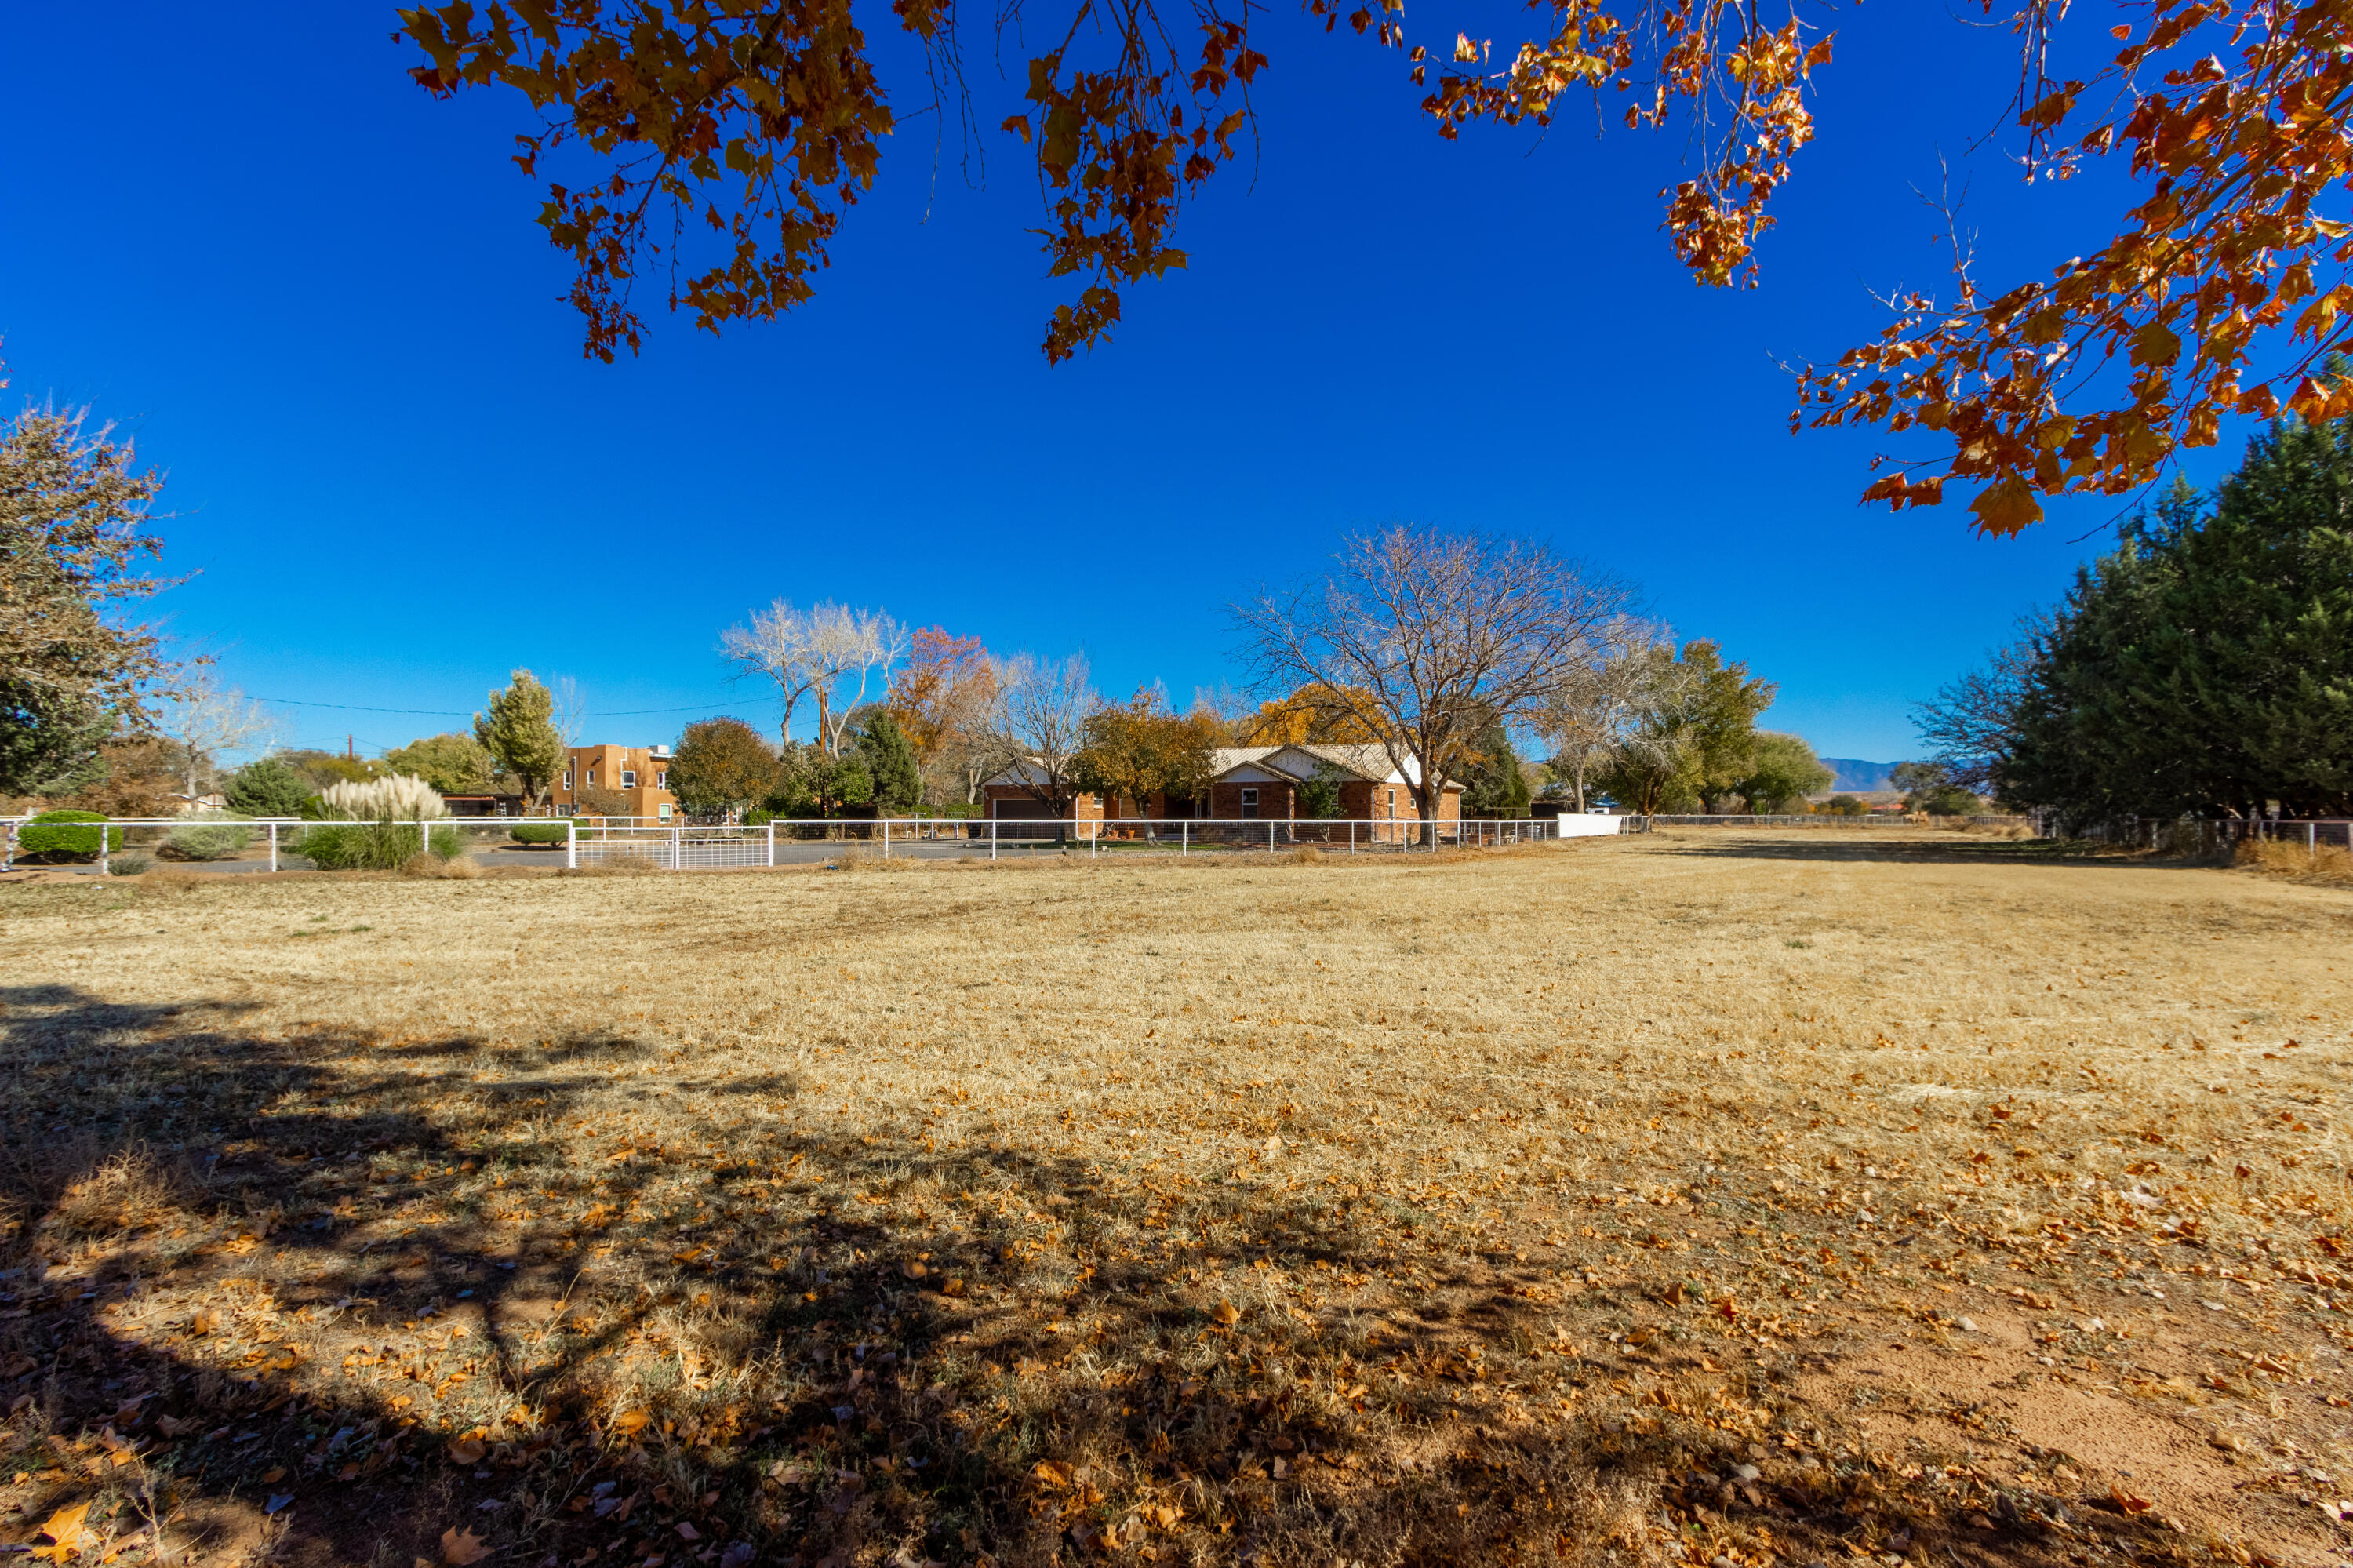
<point>1829,846</point>
<point>331,1299</point>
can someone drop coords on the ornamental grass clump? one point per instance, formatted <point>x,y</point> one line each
<point>216,838</point>
<point>377,825</point>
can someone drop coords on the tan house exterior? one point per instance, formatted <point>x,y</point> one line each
<point>639,774</point>
<point>1249,783</point>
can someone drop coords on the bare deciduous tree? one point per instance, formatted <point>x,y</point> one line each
<point>1595,705</point>
<point>1972,725</point>
<point>1438,635</point>
<point>1042,709</point>
<point>206,722</point>
<point>814,653</point>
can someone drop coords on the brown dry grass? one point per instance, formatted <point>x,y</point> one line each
<point>2326,864</point>
<point>1714,1196</point>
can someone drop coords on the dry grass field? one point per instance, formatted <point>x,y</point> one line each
<point>1711,1197</point>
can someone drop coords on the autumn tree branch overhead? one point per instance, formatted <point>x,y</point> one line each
<point>741,130</point>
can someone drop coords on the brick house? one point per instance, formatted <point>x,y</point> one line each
<point>639,774</point>
<point>1263,781</point>
<point>1012,797</point>
<point>1247,783</point>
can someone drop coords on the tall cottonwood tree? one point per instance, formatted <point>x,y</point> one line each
<point>721,145</point>
<point>816,653</point>
<point>73,528</point>
<point>1431,638</point>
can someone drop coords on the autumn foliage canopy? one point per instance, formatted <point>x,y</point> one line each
<point>723,140</point>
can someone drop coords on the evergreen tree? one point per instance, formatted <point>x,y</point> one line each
<point>1496,786</point>
<point>895,777</point>
<point>2206,665</point>
<point>268,786</point>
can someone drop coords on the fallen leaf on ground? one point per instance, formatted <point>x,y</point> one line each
<point>65,1532</point>
<point>468,1450</point>
<point>459,1550</point>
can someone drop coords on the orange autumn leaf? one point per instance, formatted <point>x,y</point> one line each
<point>459,1550</point>
<point>64,1529</point>
<point>468,1450</point>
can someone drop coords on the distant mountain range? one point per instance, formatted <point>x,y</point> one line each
<point>1859,778</point>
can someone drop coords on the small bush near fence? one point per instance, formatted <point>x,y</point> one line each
<point>539,832</point>
<point>210,841</point>
<point>49,838</point>
<point>373,846</point>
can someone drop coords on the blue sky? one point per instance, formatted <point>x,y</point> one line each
<point>317,300</point>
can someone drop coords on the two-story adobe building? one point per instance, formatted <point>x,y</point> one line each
<point>639,775</point>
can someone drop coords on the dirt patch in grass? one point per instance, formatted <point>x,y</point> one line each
<point>1723,1198</point>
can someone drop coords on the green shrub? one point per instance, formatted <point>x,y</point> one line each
<point>209,840</point>
<point>447,843</point>
<point>127,864</point>
<point>47,837</point>
<point>540,833</point>
<point>268,787</point>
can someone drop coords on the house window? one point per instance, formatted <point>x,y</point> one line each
<point>592,778</point>
<point>629,777</point>
<point>1250,802</point>
<point>665,810</point>
<point>661,778</point>
<point>567,779</point>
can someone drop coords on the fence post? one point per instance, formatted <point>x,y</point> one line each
<point>1270,835</point>
<point>8,850</point>
<point>1184,838</point>
<point>677,843</point>
<point>1352,835</point>
<point>571,844</point>
<point>2312,838</point>
<point>886,838</point>
<point>771,843</point>
<point>992,835</point>
<point>273,846</point>
<point>1094,840</point>
<point>105,833</point>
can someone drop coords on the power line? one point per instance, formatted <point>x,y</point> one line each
<point>464,712</point>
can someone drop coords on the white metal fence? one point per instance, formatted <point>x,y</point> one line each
<point>680,845</point>
<point>1832,819</point>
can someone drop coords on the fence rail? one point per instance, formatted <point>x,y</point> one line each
<point>679,845</point>
<point>1834,819</point>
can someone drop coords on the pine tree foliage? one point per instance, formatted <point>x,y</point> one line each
<point>2205,666</point>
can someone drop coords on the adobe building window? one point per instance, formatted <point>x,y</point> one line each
<point>1250,802</point>
<point>592,778</point>
<point>567,779</point>
<point>661,778</point>
<point>629,777</point>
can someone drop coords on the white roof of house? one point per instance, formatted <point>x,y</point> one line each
<point>1365,760</point>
